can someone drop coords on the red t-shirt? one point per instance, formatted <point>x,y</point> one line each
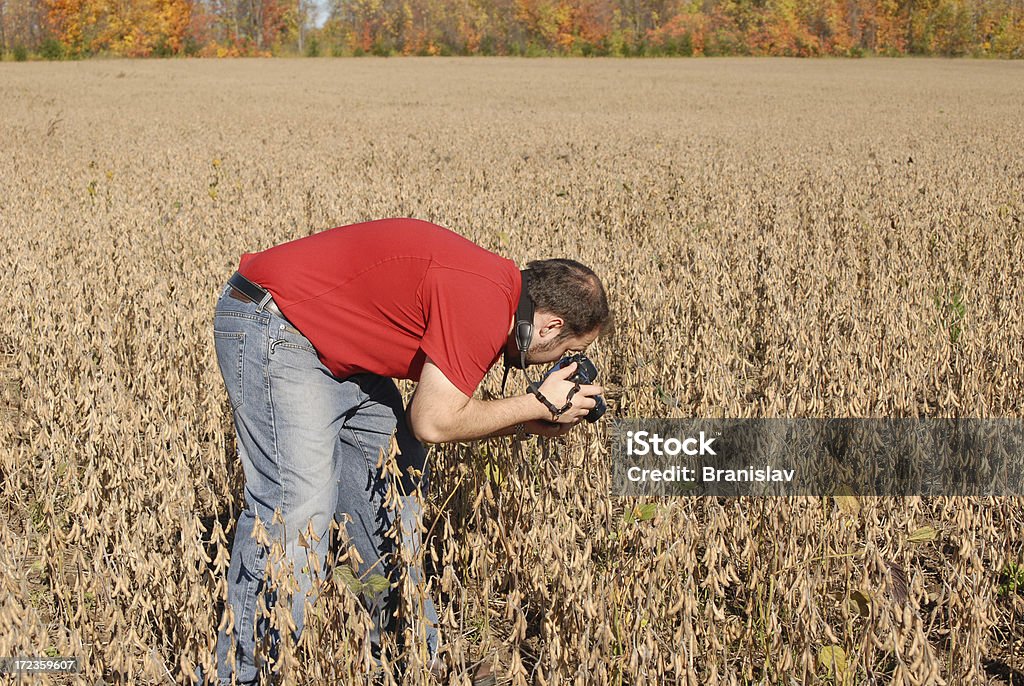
<point>380,296</point>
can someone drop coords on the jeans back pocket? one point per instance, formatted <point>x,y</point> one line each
<point>230,358</point>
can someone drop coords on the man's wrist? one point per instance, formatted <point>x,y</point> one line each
<point>535,410</point>
<point>554,411</point>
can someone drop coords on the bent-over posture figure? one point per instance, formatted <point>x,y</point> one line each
<point>309,335</point>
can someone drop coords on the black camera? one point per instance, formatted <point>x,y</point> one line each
<point>586,373</point>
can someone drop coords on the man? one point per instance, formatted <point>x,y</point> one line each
<point>309,335</point>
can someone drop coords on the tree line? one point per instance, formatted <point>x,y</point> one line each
<point>65,29</point>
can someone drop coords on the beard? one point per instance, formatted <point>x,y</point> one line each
<point>540,349</point>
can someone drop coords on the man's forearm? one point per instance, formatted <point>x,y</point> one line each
<point>483,419</point>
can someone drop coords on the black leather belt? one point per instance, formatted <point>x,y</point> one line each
<point>255,293</point>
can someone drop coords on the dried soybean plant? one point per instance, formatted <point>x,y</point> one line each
<point>786,239</point>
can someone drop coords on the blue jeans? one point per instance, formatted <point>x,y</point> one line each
<point>309,443</point>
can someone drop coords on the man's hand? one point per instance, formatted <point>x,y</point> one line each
<point>556,389</point>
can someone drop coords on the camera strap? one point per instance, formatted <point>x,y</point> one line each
<point>534,389</point>
<point>522,329</point>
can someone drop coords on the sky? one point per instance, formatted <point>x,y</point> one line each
<point>322,10</point>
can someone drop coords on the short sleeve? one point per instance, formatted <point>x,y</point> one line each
<point>467,324</point>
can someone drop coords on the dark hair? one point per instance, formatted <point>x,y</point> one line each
<point>572,291</point>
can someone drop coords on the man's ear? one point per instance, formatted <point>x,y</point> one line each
<point>548,326</point>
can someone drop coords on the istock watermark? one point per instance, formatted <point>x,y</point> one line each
<point>895,457</point>
<point>647,443</point>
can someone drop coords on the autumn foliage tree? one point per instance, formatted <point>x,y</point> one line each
<point>139,28</point>
<point>803,28</point>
